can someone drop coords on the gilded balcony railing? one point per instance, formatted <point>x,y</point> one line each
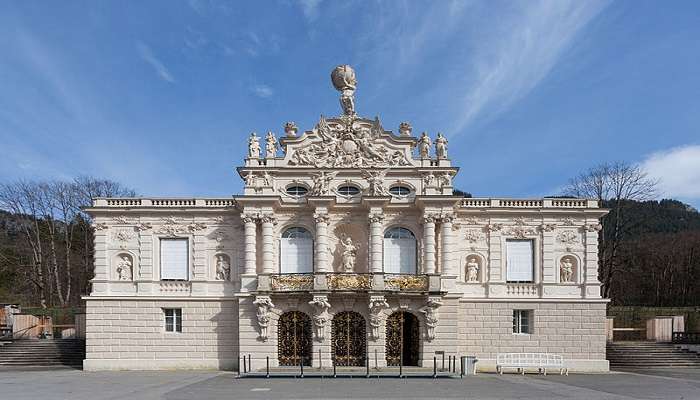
<point>291,282</point>
<point>406,282</point>
<point>348,281</point>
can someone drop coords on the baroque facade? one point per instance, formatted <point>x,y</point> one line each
<point>348,242</point>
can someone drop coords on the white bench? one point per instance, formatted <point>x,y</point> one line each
<point>541,361</point>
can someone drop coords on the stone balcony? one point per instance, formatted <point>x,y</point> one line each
<point>528,203</point>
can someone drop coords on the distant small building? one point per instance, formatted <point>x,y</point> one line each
<point>347,240</point>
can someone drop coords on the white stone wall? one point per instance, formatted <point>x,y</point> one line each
<point>130,334</point>
<point>575,330</point>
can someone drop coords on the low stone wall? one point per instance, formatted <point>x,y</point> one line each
<point>575,330</point>
<point>130,334</point>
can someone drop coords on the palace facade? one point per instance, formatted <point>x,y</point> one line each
<point>347,242</point>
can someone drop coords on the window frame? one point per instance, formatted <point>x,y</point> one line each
<point>187,258</point>
<point>401,236</point>
<point>284,236</point>
<point>533,261</point>
<point>176,317</point>
<point>518,323</point>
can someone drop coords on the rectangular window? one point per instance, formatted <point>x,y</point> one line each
<point>173,319</point>
<point>519,261</point>
<point>174,256</point>
<point>522,321</point>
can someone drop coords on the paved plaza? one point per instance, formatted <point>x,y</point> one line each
<point>176,385</point>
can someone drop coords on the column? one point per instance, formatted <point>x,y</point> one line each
<point>428,244</point>
<point>268,222</point>
<point>249,222</point>
<point>321,242</point>
<point>448,267</point>
<point>376,243</point>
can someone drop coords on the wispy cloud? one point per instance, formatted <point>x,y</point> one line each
<point>263,91</point>
<point>310,8</point>
<point>148,56</point>
<point>678,171</point>
<point>511,61</point>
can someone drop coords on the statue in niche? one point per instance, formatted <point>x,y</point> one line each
<point>253,146</point>
<point>440,146</point>
<point>376,184</point>
<point>290,128</point>
<point>472,270</point>
<point>124,271</point>
<point>223,268</point>
<point>566,270</point>
<point>322,183</point>
<point>343,79</point>
<point>270,145</point>
<point>424,144</point>
<point>349,254</point>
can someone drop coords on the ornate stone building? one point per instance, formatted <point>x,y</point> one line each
<point>348,241</point>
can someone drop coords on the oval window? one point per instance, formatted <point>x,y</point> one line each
<point>297,190</point>
<point>348,190</point>
<point>400,191</point>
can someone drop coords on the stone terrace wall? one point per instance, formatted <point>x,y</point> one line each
<point>574,330</point>
<point>131,335</point>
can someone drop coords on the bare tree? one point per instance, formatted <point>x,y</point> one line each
<point>57,232</point>
<point>612,184</point>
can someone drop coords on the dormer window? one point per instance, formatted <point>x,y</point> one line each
<point>348,190</point>
<point>399,191</point>
<point>297,191</point>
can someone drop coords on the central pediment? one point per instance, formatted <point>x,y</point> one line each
<point>349,141</point>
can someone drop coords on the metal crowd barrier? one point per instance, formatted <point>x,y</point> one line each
<point>448,369</point>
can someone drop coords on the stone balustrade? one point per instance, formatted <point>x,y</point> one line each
<point>522,290</point>
<point>528,203</point>
<point>163,202</point>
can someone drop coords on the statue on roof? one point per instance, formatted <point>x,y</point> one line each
<point>344,81</point>
<point>253,146</point>
<point>440,146</point>
<point>270,145</point>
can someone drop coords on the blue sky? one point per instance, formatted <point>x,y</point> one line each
<point>161,95</point>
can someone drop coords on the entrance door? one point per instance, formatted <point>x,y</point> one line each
<point>349,339</point>
<point>402,339</point>
<point>294,338</point>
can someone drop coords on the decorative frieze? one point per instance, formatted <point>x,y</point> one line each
<point>406,282</point>
<point>292,282</point>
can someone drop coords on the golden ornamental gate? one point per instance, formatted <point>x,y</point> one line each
<point>294,338</point>
<point>349,344</point>
<point>402,338</point>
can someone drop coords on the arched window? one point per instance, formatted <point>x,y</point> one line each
<point>296,251</point>
<point>399,251</point>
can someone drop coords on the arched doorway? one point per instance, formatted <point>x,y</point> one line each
<point>349,339</point>
<point>402,339</point>
<point>294,338</point>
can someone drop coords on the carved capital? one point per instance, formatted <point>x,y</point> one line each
<point>430,218</point>
<point>447,218</point>
<point>268,219</point>
<point>248,218</point>
<point>322,218</point>
<point>376,218</point>
<point>494,227</point>
<point>547,227</point>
